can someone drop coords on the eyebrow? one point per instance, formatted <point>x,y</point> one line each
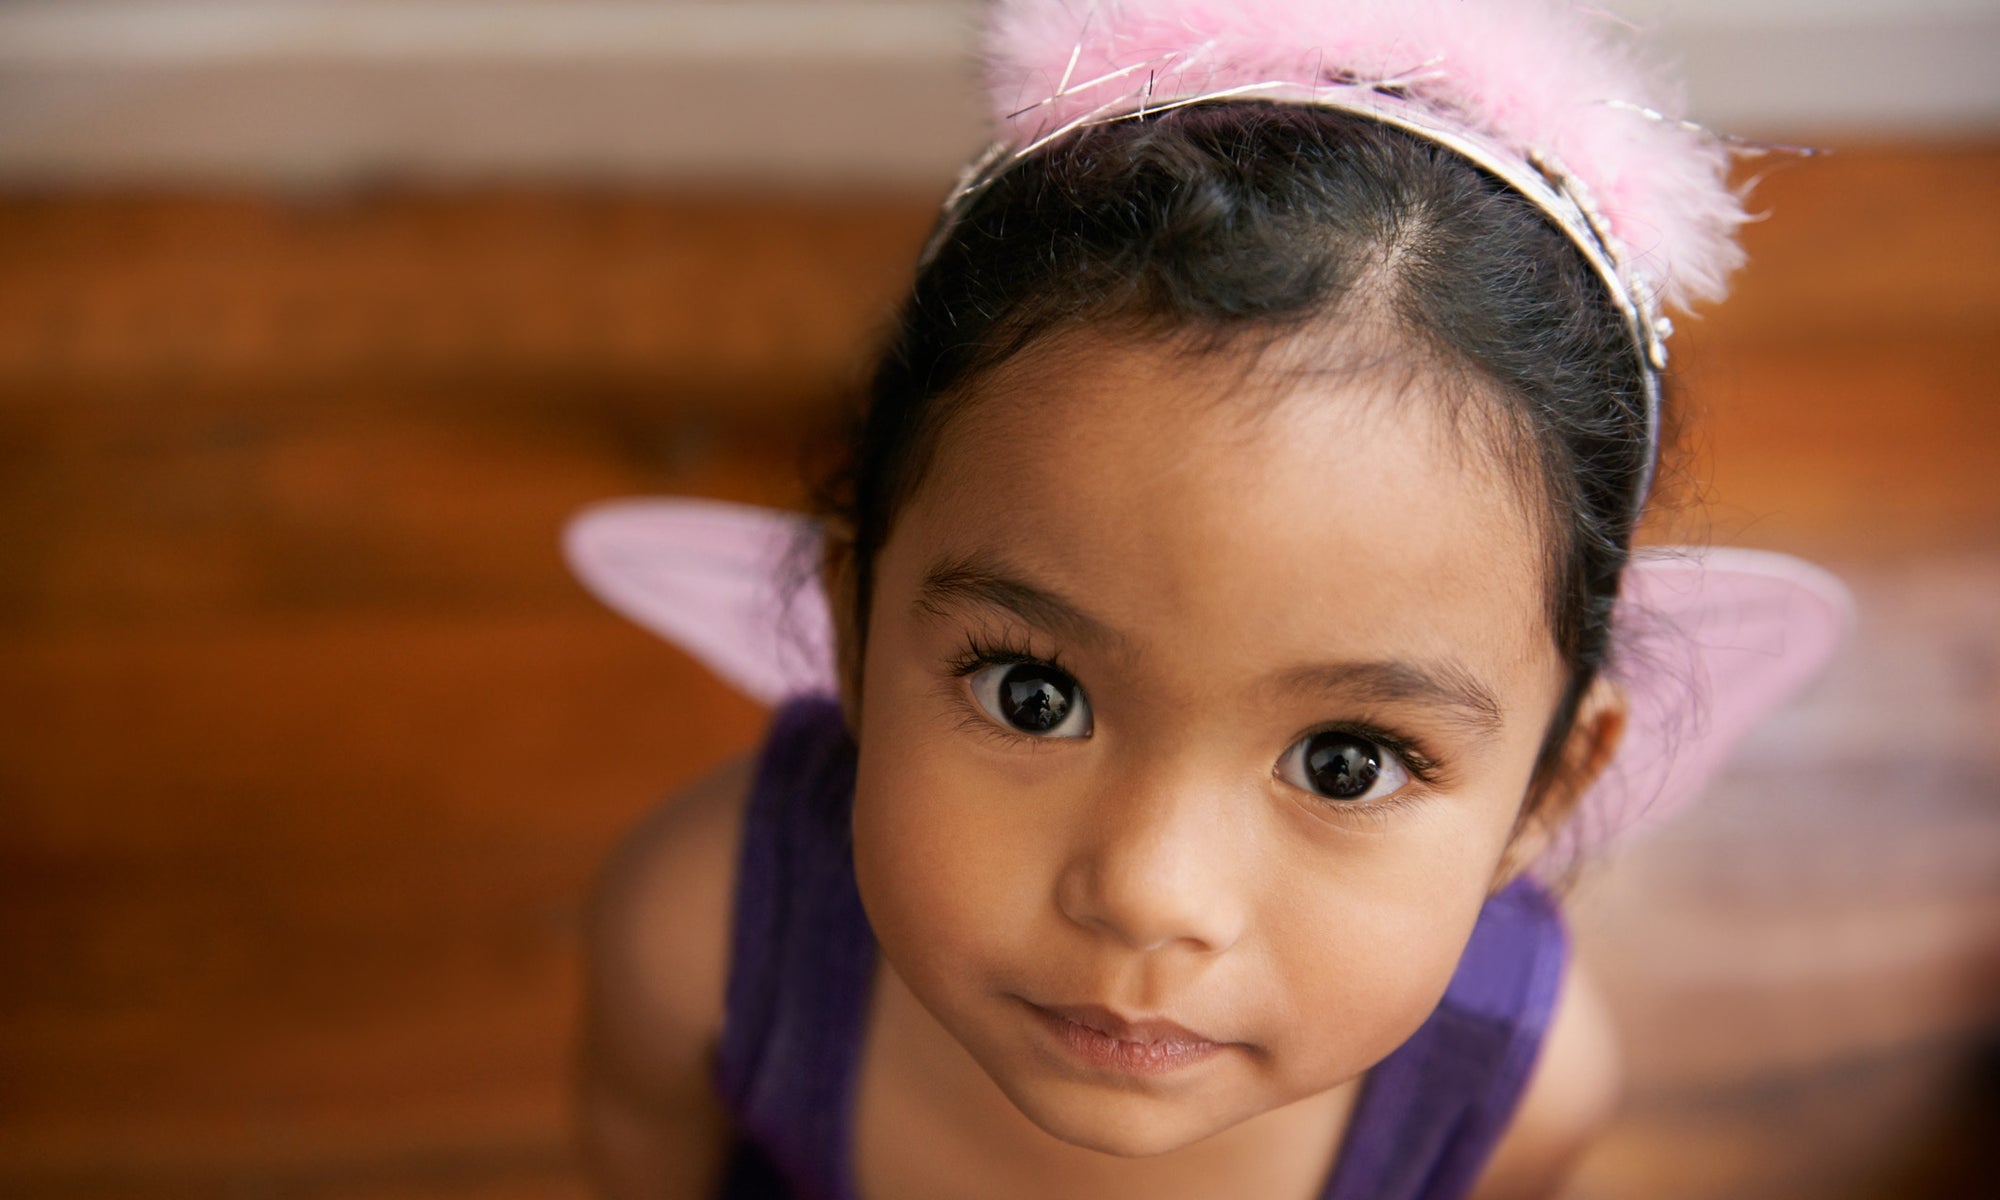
<point>981,579</point>
<point>1447,686</point>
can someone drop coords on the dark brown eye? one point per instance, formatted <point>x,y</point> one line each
<point>1034,698</point>
<point>1342,766</point>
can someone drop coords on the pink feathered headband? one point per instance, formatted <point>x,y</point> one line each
<point>1537,92</point>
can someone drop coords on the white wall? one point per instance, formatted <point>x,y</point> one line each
<point>825,91</point>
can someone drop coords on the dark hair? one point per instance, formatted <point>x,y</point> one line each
<point>1222,221</point>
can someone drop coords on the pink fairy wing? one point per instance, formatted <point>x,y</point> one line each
<point>736,587</point>
<point>1707,643</point>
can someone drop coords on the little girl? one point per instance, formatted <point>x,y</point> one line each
<point>1222,592</point>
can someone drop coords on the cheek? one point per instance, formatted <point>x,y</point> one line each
<point>1360,936</point>
<point>945,866</point>
<point>1363,970</point>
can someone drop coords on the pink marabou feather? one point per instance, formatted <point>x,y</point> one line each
<point>1538,75</point>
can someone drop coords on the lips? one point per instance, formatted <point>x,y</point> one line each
<point>1109,1041</point>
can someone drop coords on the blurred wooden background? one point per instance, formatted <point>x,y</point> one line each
<point>308,746</point>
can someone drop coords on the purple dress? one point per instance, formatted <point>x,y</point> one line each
<point>803,956</point>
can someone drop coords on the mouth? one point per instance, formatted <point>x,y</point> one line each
<point>1111,1042</point>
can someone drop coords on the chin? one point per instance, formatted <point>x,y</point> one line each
<point>1119,1124</point>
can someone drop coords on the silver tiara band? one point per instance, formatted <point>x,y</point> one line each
<point>1559,194</point>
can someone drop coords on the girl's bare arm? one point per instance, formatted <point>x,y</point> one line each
<point>657,947</point>
<point>1570,1099</point>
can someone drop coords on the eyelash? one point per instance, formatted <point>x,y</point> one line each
<point>1424,772</point>
<point>983,649</point>
<point>1423,768</point>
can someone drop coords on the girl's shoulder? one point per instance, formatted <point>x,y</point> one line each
<point>661,923</point>
<point>665,986</point>
<point>658,921</point>
<point>1570,1096</point>
<point>657,938</point>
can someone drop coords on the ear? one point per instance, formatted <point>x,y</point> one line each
<point>842,582</point>
<point>1593,740</point>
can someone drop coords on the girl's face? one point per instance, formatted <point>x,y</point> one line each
<point>1194,733</point>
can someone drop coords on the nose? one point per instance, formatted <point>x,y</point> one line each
<point>1156,867</point>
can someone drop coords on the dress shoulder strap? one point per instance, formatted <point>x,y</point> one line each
<point>801,959</point>
<point>1431,1114</point>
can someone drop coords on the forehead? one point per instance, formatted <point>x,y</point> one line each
<point>1258,517</point>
